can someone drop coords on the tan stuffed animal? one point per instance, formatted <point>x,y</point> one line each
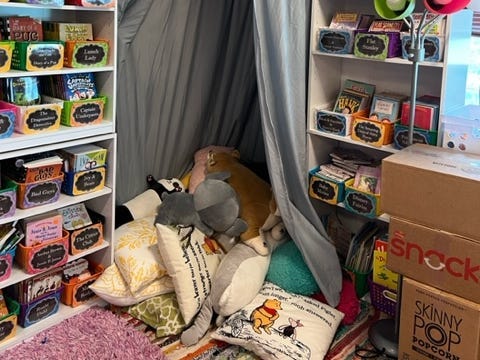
<point>253,192</point>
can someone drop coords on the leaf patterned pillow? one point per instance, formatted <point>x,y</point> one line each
<point>111,287</point>
<point>137,255</point>
<point>160,312</point>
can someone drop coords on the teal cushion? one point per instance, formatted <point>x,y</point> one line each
<point>288,270</point>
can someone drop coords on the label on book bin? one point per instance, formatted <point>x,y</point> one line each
<point>86,113</point>
<point>368,132</point>
<point>3,57</point>
<point>6,328</point>
<point>44,56</point>
<point>48,256</point>
<point>7,119</point>
<point>401,138</point>
<point>88,53</point>
<point>83,292</point>
<point>46,192</point>
<point>5,264</point>
<point>86,238</point>
<point>41,119</point>
<point>41,310</point>
<point>87,181</point>
<point>324,190</point>
<point>334,41</point>
<point>371,46</point>
<point>360,203</point>
<point>7,202</point>
<point>331,123</point>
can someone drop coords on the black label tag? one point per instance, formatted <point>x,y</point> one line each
<point>3,57</point>
<point>4,123</point>
<point>87,113</point>
<point>330,123</point>
<point>42,193</point>
<point>6,329</point>
<point>360,203</point>
<point>323,189</point>
<point>86,239</point>
<point>368,131</point>
<point>42,309</point>
<point>42,119</point>
<point>371,45</point>
<point>430,47</point>
<point>401,138</point>
<point>89,54</point>
<point>83,292</point>
<point>48,256</point>
<point>6,204</point>
<point>333,41</point>
<point>45,57</point>
<point>89,181</point>
<point>3,266</point>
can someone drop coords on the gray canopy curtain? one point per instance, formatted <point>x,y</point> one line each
<point>194,73</point>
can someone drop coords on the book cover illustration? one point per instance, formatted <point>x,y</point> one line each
<point>79,86</point>
<point>67,31</point>
<point>23,28</point>
<point>349,102</point>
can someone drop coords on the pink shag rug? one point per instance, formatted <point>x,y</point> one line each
<point>95,333</point>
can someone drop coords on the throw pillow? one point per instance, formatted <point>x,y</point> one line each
<point>191,266</point>
<point>161,313</point>
<point>111,287</point>
<point>288,270</point>
<point>282,325</point>
<point>137,255</point>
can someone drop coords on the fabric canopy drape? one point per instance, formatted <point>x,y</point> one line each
<point>281,29</point>
<point>199,72</point>
<point>186,79</point>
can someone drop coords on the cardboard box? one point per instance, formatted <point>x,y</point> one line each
<point>437,325</point>
<point>435,187</point>
<point>447,261</point>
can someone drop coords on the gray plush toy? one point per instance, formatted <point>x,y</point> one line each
<point>213,208</point>
<point>237,280</point>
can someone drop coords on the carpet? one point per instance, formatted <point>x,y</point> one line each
<point>94,334</point>
<point>347,339</point>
